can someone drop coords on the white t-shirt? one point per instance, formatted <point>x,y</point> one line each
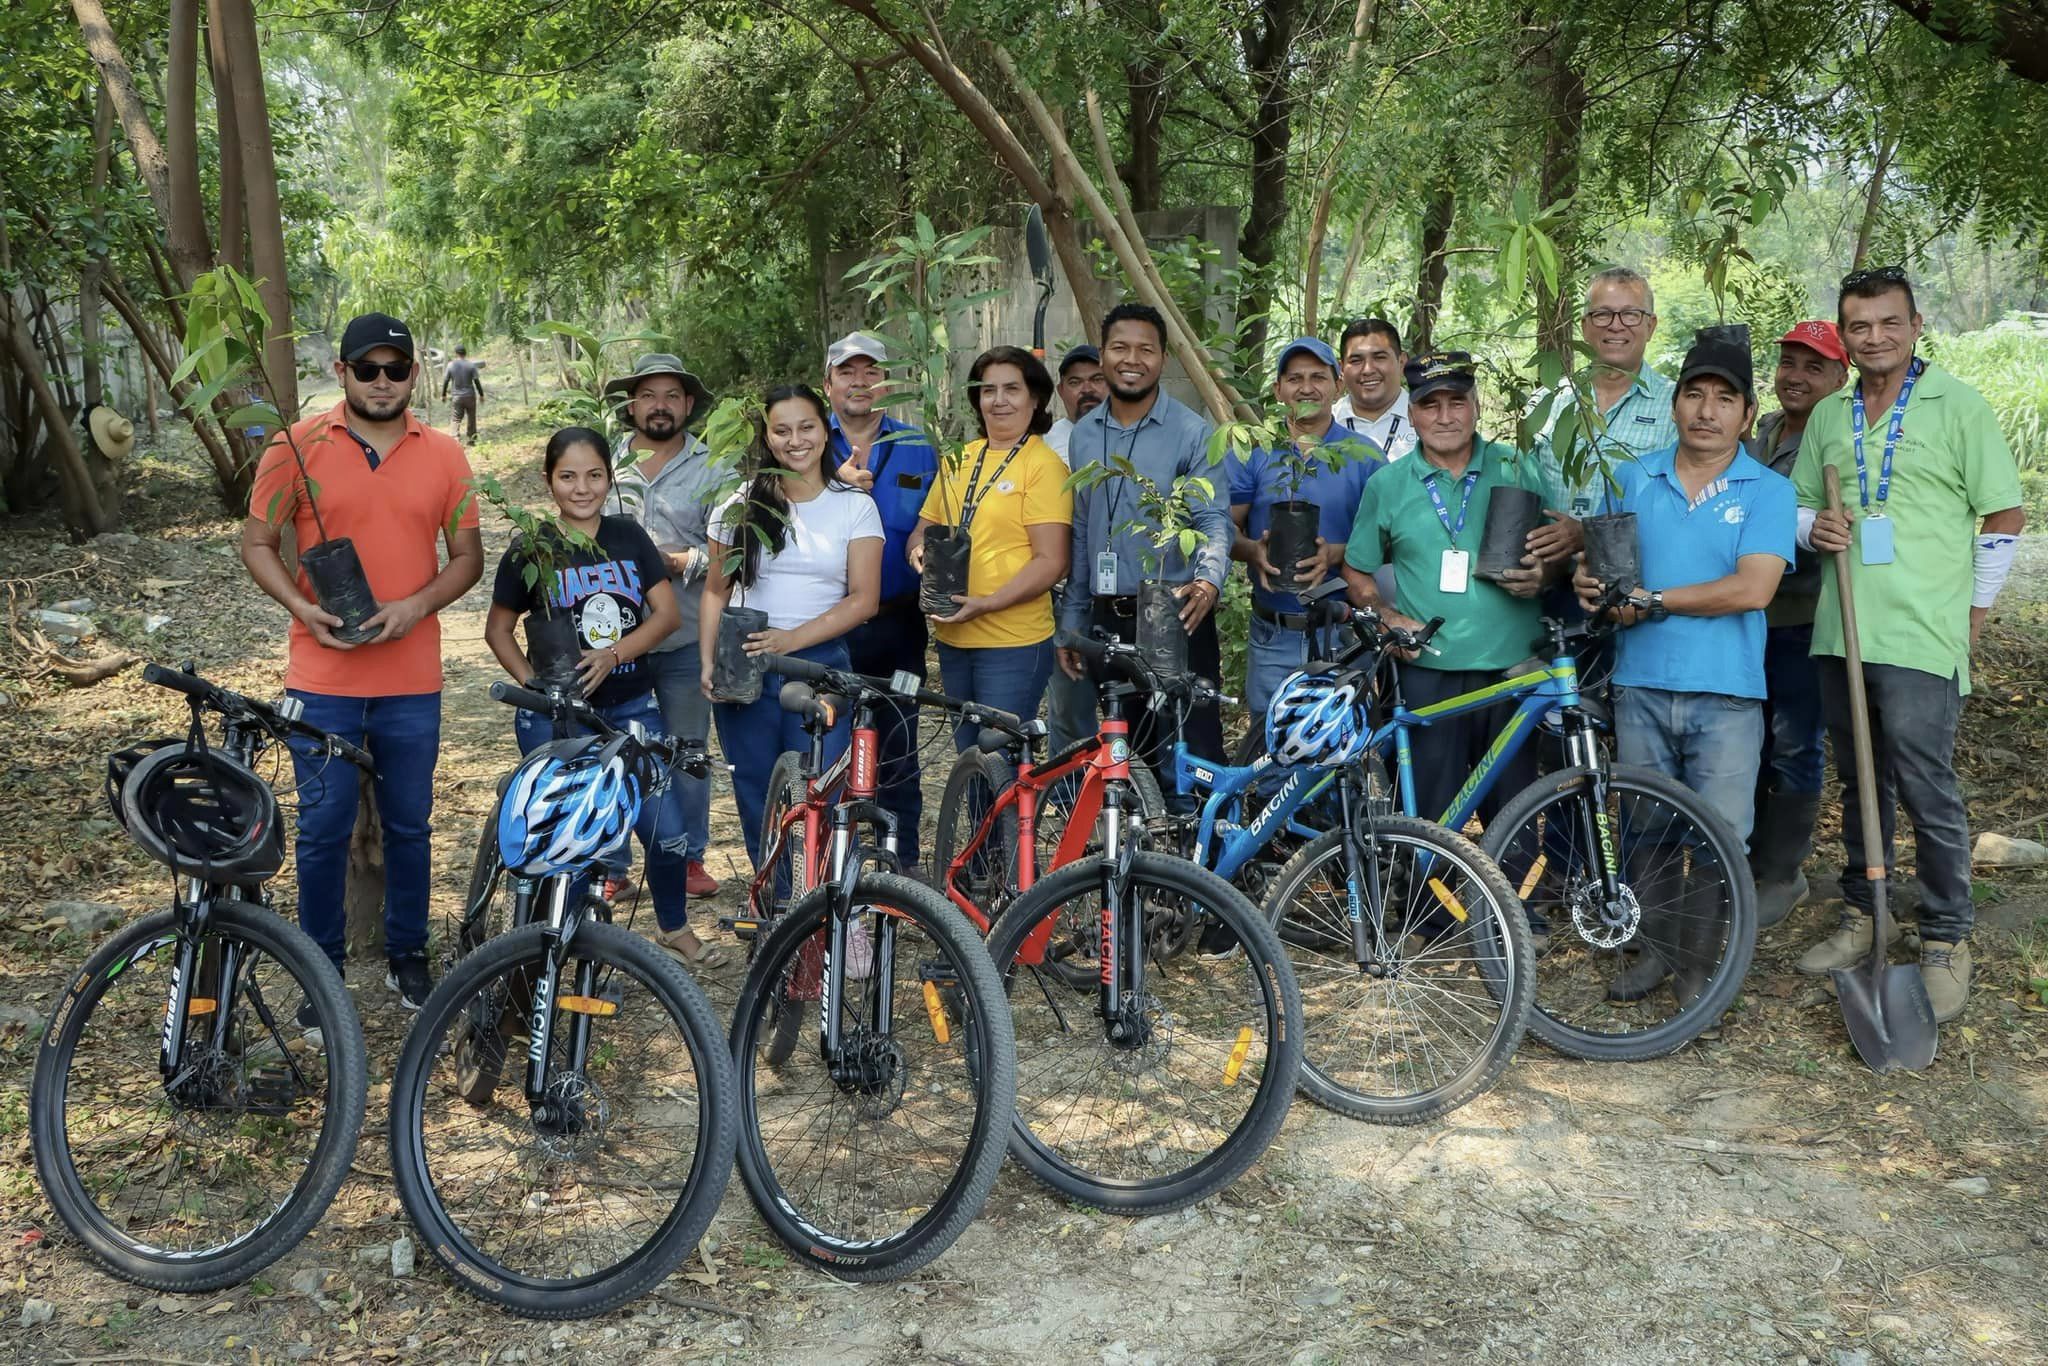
<point>808,578</point>
<point>1391,431</point>
<point>1062,432</point>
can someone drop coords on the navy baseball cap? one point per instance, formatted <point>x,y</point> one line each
<point>372,330</point>
<point>1440,370</point>
<point>1077,355</point>
<point>1315,346</point>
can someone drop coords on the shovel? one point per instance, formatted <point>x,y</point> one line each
<point>1890,1019</point>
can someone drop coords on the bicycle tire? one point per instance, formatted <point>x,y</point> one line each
<point>785,791</point>
<point>986,1064</point>
<point>340,1110</point>
<point>1564,1009</point>
<point>1419,984</point>
<point>990,879</point>
<point>1259,973</point>
<point>671,997</point>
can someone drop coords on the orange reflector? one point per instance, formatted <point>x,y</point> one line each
<point>201,1005</point>
<point>936,1008</point>
<point>587,1005</point>
<point>1449,902</point>
<point>1535,876</point>
<point>1237,1056</point>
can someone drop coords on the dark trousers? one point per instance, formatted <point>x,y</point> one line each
<point>1795,763</point>
<point>464,406</point>
<point>1913,719</point>
<point>895,639</point>
<point>1152,731</point>
<point>1445,752</point>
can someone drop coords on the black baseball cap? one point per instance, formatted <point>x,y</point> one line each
<point>1439,370</point>
<point>366,333</point>
<point>1077,355</point>
<point>1722,351</point>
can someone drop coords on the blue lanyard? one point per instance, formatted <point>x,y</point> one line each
<point>1443,514</point>
<point>1891,435</point>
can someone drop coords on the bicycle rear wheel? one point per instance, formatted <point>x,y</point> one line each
<point>1435,1015</point>
<point>989,877</point>
<point>572,1207</point>
<point>202,1183</point>
<point>789,854</point>
<point>869,1164</point>
<point>1197,1085</point>
<point>1652,972</point>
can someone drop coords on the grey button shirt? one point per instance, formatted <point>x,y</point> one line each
<point>673,508</point>
<point>1170,440</point>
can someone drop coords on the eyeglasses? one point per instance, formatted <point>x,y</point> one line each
<point>1627,317</point>
<point>1883,275</point>
<point>366,371</point>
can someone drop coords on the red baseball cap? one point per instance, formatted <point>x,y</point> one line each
<point>1816,335</point>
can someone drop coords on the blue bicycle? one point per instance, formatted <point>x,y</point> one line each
<point>1412,953</point>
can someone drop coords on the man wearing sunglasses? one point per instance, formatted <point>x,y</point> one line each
<point>1931,517</point>
<point>394,487</point>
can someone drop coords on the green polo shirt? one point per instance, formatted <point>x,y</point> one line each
<point>1485,627</point>
<point>1951,470</point>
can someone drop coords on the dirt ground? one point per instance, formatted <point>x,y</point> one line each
<point>1760,1196</point>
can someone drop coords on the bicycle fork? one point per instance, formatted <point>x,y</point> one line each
<point>556,1108</point>
<point>864,1067</point>
<point>1122,954</point>
<point>205,964</point>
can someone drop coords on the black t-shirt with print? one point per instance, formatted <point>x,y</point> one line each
<point>606,591</point>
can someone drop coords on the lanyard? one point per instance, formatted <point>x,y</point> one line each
<point>1393,430</point>
<point>1116,494</point>
<point>976,490</point>
<point>1443,514</point>
<point>1893,431</point>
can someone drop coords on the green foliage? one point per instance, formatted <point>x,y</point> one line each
<point>1164,518</point>
<point>545,545</point>
<point>2008,364</point>
<point>593,362</point>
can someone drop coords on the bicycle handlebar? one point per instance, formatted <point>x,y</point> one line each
<point>1130,660</point>
<point>673,749</point>
<point>853,684</point>
<point>234,705</point>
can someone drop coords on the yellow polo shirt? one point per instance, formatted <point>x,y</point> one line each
<point>1032,491</point>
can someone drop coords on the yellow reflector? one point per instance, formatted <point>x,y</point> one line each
<point>1237,1057</point>
<point>587,1005</point>
<point>201,1005</point>
<point>1535,876</point>
<point>936,1008</point>
<point>746,924</point>
<point>1449,902</point>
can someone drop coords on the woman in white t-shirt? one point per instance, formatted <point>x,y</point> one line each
<point>807,551</point>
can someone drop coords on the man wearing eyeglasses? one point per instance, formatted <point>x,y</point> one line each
<point>1931,517</point>
<point>394,486</point>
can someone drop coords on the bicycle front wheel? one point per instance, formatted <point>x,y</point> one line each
<point>574,1205</point>
<point>1648,970</point>
<point>200,1182</point>
<point>870,1158</point>
<point>1435,1013</point>
<point>1166,1107</point>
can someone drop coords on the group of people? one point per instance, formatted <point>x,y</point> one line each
<point>1728,663</point>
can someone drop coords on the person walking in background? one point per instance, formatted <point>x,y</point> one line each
<point>462,384</point>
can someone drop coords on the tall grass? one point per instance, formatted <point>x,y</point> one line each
<point>2006,362</point>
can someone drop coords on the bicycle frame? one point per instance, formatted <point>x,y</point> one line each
<point>1226,786</point>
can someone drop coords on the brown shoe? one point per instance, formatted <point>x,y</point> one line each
<point>1946,970</point>
<point>1846,947</point>
<point>697,880</point>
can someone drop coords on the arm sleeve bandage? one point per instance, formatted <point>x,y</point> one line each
<point>1992,561</point>
<point>1804,533</point>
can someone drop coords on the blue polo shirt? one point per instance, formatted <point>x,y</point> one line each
<point>1749,510</point>
<point>1261,481</point>
<point>903,468</point>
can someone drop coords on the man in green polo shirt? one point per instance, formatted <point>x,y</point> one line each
<point>1425,516</point>
<point>1932,515</point>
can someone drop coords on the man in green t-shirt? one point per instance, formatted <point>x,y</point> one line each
<point>1932,515</point>
<point>1425,516</point>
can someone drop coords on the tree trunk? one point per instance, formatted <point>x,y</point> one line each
<point>1873,199</point>
<point>1270,139</point>
<point>185,228</point>
<point>151,164</point>
<point>89,335</point>
<point>1326,182</point>
<point>82,511</point>
<point>363,894</point>
<point>1354,250</point>
<point>266,222</point>
<point>232,475</point>
<point>149,398</point>
<point>233,247</point>
<point>1433,266</point>
<point>1144,80</point>
<point>1563,88</point>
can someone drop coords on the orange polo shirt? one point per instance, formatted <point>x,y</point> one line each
<point>396,514</point>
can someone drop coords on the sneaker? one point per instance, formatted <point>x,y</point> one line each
<point>1946,970</point>
<point>697,881</point>
<point>617,889</point>
<point>411,980</point>
<point>308,1021</point>
<point>1847,946</point>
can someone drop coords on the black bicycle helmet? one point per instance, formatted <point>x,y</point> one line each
<point>204,815</point>
<point>122,762</point>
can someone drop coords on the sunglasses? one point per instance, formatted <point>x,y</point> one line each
<point>1883,275</point>
<point>366,371</point>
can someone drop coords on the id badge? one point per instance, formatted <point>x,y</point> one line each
<point>1105,574</point>
<point>1877,539</point>
<point>1455,574</point>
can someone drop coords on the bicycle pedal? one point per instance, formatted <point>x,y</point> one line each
<point>744,928</point>
<point>938,974</point>
<point>270,1091</point>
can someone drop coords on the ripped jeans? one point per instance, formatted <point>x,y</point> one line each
<point>662,827</point>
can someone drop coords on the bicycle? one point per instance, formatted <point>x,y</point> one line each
<point>1613,856</point>
<point>199,1090</point>
<point>870,1153</point>
<point>592,1184</point>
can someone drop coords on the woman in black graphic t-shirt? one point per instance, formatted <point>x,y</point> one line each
<point>623,605</point>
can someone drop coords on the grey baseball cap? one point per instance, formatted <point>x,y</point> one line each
<point>856,344</point>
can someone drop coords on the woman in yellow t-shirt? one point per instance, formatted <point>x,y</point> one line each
<point>1009,491</point>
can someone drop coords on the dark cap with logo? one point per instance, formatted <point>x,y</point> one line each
<point>1083,352</point>
<point>1722,351</point>
<point>372,330</point>
<point>1436,370</point>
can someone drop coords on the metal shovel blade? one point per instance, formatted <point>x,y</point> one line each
<point>1886,1009</point>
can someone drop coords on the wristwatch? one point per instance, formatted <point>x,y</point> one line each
<point>1649,605</point>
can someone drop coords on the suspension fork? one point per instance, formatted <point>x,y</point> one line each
<point>1583,749</point>
<point>561,929</point>
<point>193,913</point>
<point>1122,923</point>
<point>1361,869</point>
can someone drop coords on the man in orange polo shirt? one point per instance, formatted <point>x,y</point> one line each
<point>395,487</point>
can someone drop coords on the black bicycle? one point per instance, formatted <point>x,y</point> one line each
<point>199,1090</point>
<point>562,1117</point>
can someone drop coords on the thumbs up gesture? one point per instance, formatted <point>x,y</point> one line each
<point>856,472</point>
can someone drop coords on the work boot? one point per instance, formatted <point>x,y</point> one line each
<point>1782,838</point>
<point>1660,893</point>
<point>1702,939</point>
<point>1847,946</point>
<point>1946,970</point>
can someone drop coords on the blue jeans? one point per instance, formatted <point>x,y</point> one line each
<point>1010,678</point>
<point>660,824</point>
<point>686,711</point>
<point>403,735</point>
<point>1272,652</point>
<point>894,638</point>
<point>755,734</point>
<point>1711,742</point>
<point>1795,761</point>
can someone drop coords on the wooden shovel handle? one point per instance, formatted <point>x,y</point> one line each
<point>1859,704</point>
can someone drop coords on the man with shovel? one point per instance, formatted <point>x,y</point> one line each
<point>1931,514</point>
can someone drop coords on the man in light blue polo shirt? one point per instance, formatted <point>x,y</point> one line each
<point>1716,531</point>
<point>1332,463</point>
<point>1617,322</point>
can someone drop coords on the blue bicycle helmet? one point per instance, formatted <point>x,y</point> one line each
<point>1317,720</point>
<point>568,802</point>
